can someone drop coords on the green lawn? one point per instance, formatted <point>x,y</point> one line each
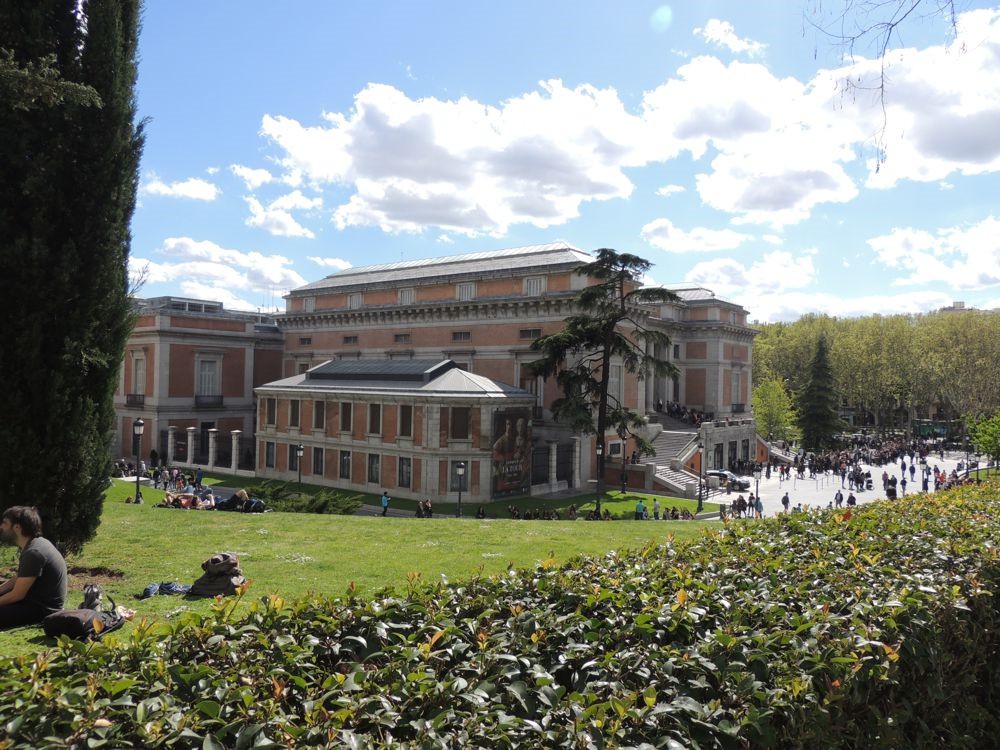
<point>620,505</point>
<point>293,554</point>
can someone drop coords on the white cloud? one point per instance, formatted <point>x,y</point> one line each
<point>463,166</point>
<point>667,190</point>
<point>963,257</point>
<point>275,221</point>
<point>194,188</point>
<point>445,239</point>
<point>295,200</point>
<point>339,263</point>
<point>723,34</point>
<point>790,306</point>
<point>212,170</point>
<point>661,233</point>
<point>772,239</point>
<point>775,273</point>
<point>232,274</point>
<point>778,147</point>
<point>252,178</point>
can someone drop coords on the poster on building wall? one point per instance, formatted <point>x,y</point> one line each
<point>511,452</point>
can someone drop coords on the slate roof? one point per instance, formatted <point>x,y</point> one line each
<point>471,264</point>
<point>438,378</point>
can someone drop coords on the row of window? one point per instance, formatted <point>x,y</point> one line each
<point>459,417</point>
<point>404,466</point>
<point>527,334</point>
<point>534,286</point>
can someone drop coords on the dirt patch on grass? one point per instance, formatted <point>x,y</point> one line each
<point>79,576</point>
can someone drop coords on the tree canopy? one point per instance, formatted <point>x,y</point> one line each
<point>608,329</point>
<point>69,158</point>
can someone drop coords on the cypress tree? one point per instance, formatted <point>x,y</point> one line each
<point>819,419</point>
<point>69,158</point>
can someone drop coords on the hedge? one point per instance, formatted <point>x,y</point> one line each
<point>875,628</point>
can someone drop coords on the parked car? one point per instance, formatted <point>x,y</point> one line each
<point>737,482</point>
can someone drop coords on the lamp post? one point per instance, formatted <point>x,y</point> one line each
<point>138,426</point>
<point>756,475</point>
<point>978,459</point>
<point>600,474</point>
<point>460,470</point>
<point>701,477</point>
<point>299,451</point>
<point>624,461</point>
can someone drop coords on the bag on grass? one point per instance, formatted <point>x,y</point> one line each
<point>83,624</point>
<point>222,576</point>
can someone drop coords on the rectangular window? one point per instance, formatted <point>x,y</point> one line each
<point>269,455</point>
<point>461,335</point>
<point>305,340</point>
<point>406,296</point>
<point>374,419</point>
<point>139,375</point>
<point>401,338</point>
<point>354,300</point>
<point>270,410</point>
<point>405,471</point>
<point>303,367</point>
<point>374,468</point>
<point>319,415</point>
<point>534,286</point>
<point>345,464</point>
<point>293,458</point>
<point>615,382</point>
<point>350,339</point>
<point>346,416</point>
<point>317,467</point>
<point>208,377</point>
<point>677,351</point>
<point>459,423</point>
<point>309,304</point>
<point>405,420</point>
<point>293,412</point>
<point>530,333</point>
<point>466,291</point>
<point>737,378</point>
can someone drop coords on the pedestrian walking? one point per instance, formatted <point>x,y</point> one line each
<point>385,502</point>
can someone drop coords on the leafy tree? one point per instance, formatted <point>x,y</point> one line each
<point>609,327</point>
<point>69,157</point>
<point>986,436</point>
<point>774,412</point>
<point>818,414</point>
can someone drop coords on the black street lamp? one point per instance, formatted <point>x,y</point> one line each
<point>299,451</point>
<point>460,470</point>
<point>701,477</point>
<point>600,471</point>
<point>756,475</point>
<point>138,426</point>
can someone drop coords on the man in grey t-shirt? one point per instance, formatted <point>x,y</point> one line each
<point>40,585</point>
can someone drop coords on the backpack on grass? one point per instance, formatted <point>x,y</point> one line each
<point>84,624</point>
<point>222,576</point>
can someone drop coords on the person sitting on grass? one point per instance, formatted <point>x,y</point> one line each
<point>39,588</point>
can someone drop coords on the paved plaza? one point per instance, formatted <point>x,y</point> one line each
<point>820,491</point>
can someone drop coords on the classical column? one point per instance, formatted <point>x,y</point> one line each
<point>213,438</point>
<point>236,449</point>
<point>192,433</point>
<point>575,477</point>
<point>553,446</point>
<point>171,443</point>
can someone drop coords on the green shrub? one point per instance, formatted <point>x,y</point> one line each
<point>324,501</point>
<point>871,628</point>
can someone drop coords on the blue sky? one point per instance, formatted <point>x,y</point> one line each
<point>719,140</point>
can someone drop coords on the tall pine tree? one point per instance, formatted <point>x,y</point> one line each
<point>819,418</point>
<point>607,328</point>
<point>69,162</point>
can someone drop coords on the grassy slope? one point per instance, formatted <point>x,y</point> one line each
<point>293,554</point>
<point>615,502</point>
